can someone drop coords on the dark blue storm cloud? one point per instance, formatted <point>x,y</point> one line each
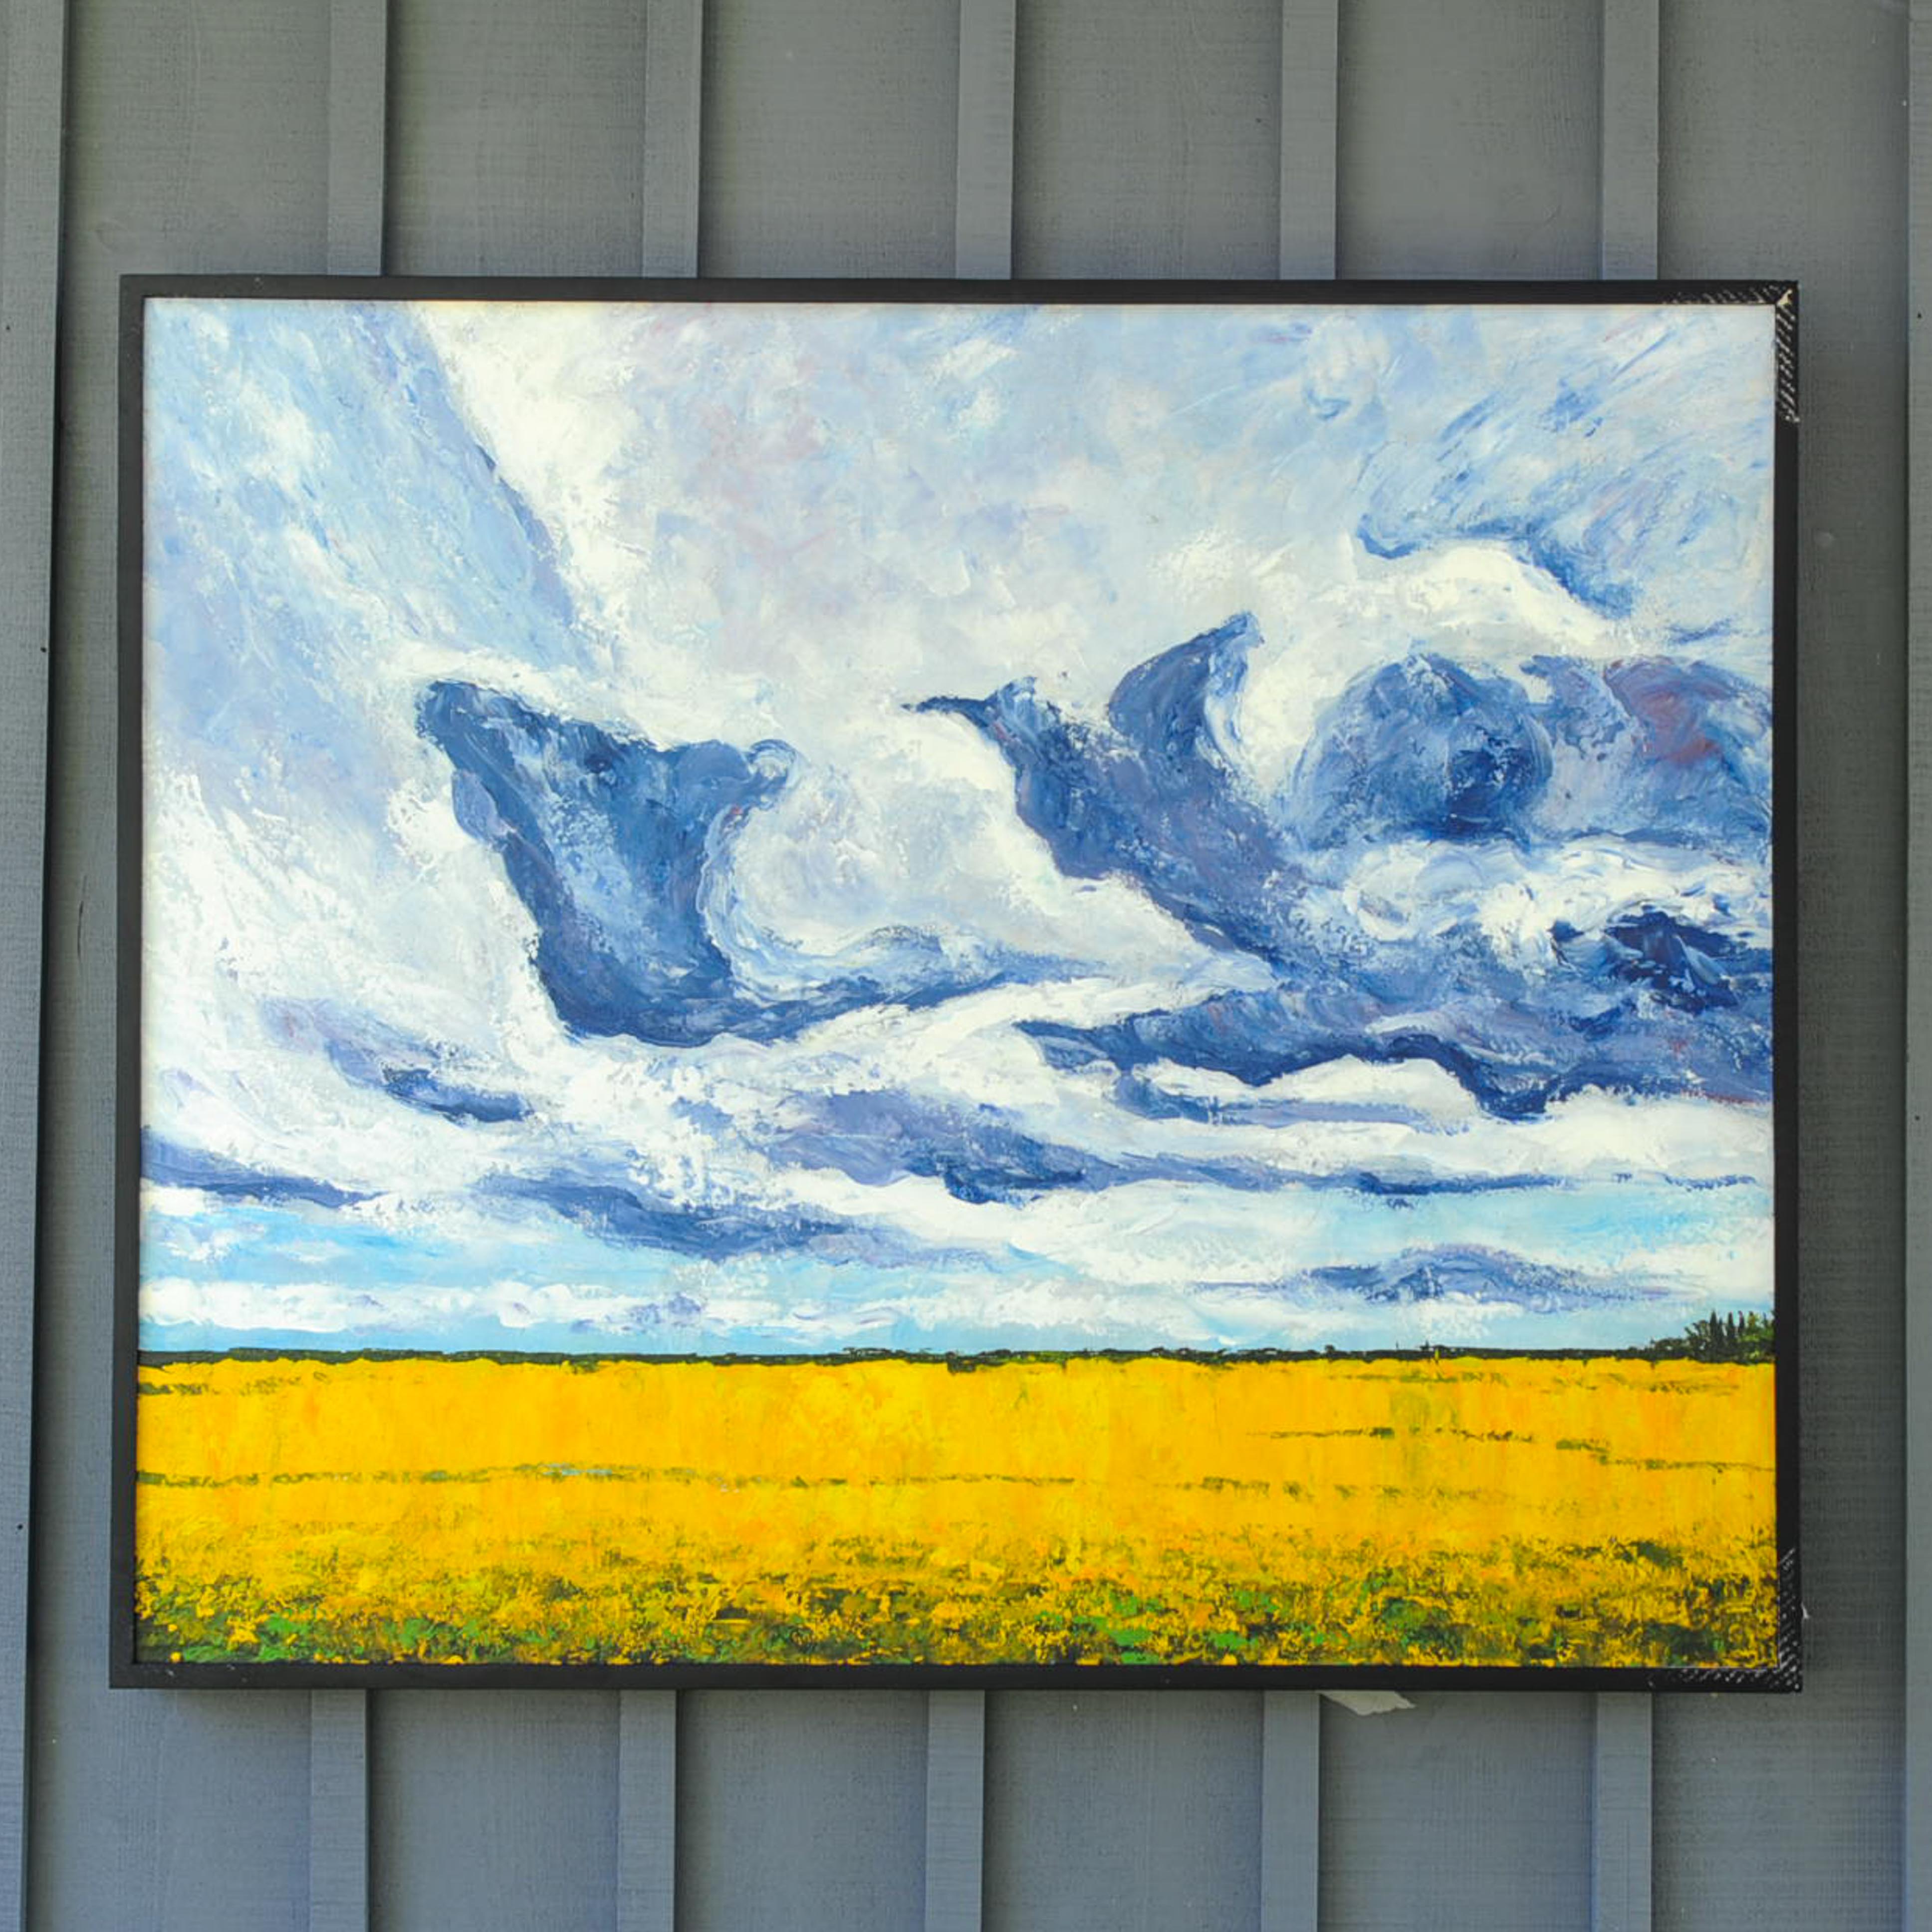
<point>1612,1013</point>
<point>1473,1273</point>
<point>980,1153</point>
<point>169,1165</point>
<point>616,847</point>
<point>1152,798</point>
<point>614,844</point>
<point>634,1217</point>
<point>1648,751</point>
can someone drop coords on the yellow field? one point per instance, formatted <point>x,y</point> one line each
<point>1087,1510</point>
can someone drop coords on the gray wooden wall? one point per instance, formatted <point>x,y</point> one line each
<point>1532,138</point>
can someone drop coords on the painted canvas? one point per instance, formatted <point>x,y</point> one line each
<point>901,985</point>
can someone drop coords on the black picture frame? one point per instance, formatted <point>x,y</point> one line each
<point>128,1668</point>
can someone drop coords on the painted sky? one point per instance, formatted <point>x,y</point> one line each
<point>728,828</point>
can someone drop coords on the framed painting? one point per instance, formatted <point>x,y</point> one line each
<point>912,984</point>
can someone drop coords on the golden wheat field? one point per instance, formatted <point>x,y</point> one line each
<point>1082,1509</point>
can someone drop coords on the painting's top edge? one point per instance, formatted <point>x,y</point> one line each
<point>136,288</point>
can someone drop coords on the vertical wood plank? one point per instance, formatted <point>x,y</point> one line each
<point>830,128</point>
<point>1620,1815</point>
<point>495,1812</point>
<point>1917,1809</point>
<point>516,144</point>
<point>673,134</point>
<point>646,1810</point>
<point>338,1746</point>
<point>196,139</point>
<point>358,81</point>
<point>338,1811</point>
<point>517,147</point>
<point>1146,138</point>
<point>1290,1844</point>
<point>647,1720</point>
<point>1469,138</point>
<point>1469,1810</point>
<point>956,1788</point>
<point>1310,53</point>
<point>982,245</point>
<point>33,51</point>
<point>820,157</point>
<point>1620,1886</point>
<point>1627,244</point>
<point>801,1810</point>
<point>1291,1811</point>
<point>1125,1811</point>
<point>1783,151</point>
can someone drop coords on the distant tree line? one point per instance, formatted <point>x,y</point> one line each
<point>1721,1338</point>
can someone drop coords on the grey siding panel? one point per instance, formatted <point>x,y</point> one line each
<point>646,1810</point>
<point>955,1810</point>
<point>517,148</point>
<point>1470,1809</point>
<point>496,1813</point>
<point>358,84</point>
<point>801,1810</point>
<point>829,132</point>
<point>1310,56</point>
<point>982,228</point>
<point>517,137</point>
<point>1468,137</point>
<point>1620,1804</point>
<point>1784,154</point>
<point>32,53</point>
<point>1147,140</point>
<point>338,1811</point>
<point>199,1825</point>
<point>197,140</point>
<point>1123,1811</point>
<point>673,103</point>
<point>1629,153</point>
<point>1291,1811</point>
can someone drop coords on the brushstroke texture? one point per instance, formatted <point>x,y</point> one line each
<point>1472,1273</point>
<point>168,1166</point>
<point>635,1219</point>
<point>690,828</point>
<point>1424,748</point>
<point>385,1059</point>
<point>1153,797</point>
<point>614,846</point>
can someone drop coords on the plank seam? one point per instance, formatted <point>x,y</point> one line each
<point>1630,107</point>
<point>646,1810</point>
<point>673,135</point>
<point>1620,1813</point>
<point>982,241</point>
<point>1310,90</point>
<point>338,1811</point>
<point>955,1810</point>
<point>1291,1811</point>
<point>358,82</point>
